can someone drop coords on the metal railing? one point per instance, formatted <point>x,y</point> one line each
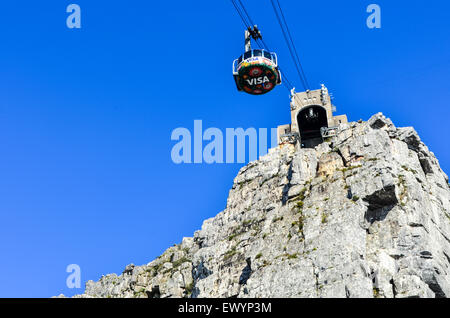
<point>327,132</point>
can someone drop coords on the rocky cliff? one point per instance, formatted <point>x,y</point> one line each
<point>365,214</point>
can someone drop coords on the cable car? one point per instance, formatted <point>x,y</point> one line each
<point>256,72</point>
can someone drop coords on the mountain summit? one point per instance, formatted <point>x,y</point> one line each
<point>364,214</point>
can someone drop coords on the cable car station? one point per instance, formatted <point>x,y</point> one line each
<point>312,119</point>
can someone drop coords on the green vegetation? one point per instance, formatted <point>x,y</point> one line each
<point>265,263</point>
<point>299,204</point>
<point>376,293</point>
<point>139,292</point>
<point>241,184</point>
<point>189,288</point>
<point>409,169</point>
<point>278,219</point>
<point>349,168</point>
<point>301,195</point>
<point>355,198</point>
<point>300,223</point>
<point>230,253</point>
<point>236,232</point>
<point>447,215</point>
<point>245,226</point>
<point>258,256</point>
<point>324,218</point>
<point>234,235</point>
<point>288,256</point>
<point>180,261</point>
<point>403,194</point>
<point>156,269</point>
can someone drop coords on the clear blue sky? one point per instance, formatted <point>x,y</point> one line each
<point>86,115</point>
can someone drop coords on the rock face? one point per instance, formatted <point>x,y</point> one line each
<point>364,214</point>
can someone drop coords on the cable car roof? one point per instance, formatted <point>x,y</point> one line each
<point>258,53</point>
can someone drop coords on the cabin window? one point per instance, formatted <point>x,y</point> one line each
<point>267,55</point>
<point>274,58</point>
<point>247,55</point>
<point>239,59</point>
<point>257,53</point>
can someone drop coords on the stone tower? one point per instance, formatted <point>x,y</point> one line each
<point>311,118</point>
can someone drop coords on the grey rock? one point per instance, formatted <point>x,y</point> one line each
<point>365,214</point>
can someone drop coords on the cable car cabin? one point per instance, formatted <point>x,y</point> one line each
<point>256,72</point>
<point>310,120</point>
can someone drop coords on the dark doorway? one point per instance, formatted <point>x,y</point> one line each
<point>309,121</point>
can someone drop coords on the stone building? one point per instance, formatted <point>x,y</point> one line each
<point>311,118</point>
